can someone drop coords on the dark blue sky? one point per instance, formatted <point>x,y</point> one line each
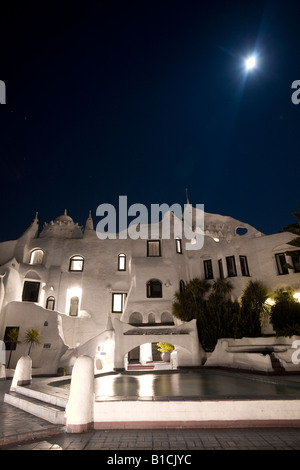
<point>146,98</point>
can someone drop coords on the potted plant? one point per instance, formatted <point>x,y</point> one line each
<point>165,349</point>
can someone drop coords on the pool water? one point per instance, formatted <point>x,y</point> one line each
<point>191,384</point>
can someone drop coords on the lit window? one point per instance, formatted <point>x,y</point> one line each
<point>122,262</point>
<point>76,263</point>
<point>281,263</point>
<point>153,248</point>
<point>74,304</point>
<point>244,266</point>
<point>118,302</point>
<point>178,246</point>
<point>154,289</point>
<point>231,267</point>
<point>36,257</point>
<point>208,270</point>
<point>31,291</point>
<point>50,303</point>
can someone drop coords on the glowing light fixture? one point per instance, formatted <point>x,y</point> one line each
<point>297,296</point>
<point>250,63</point>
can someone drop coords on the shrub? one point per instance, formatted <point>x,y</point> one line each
<point>285,313</point>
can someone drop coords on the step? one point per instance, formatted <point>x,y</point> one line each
<point>49,412</point>
<point>52,399</point>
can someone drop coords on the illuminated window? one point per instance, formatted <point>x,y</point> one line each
<point>178,246</point>
<point>50,303</point>
<point>154,289</point>
<point>118,302</point>
<point>74,304</point>
<point>231,267</point>
<point>244,266</point>
<point>281,263</point>
<point>122,262</point>
<point>153,248</point>
<point>76,263</point>
<point>208,270</point>
<point>31,291</point>
<point>36,257</point>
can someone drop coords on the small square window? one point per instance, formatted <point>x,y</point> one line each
<point>76,263</point>
<point>153,248</point>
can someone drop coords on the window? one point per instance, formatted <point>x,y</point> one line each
<point>74,303</point>
<point>31,291</point>
<point>181,286</point>
<point>208,270</point>
<point>178,246</point>
<point>221,271</point>
<point>154,289</point>
<point>50,303</point>
<point>36,257</point>
<point>231,267</point>
<point>122,262</point>
<point>296,263</point>
<point>244,266</point>
<point>153,248</point>
<point>281,263</point>
<point>76,263</point>
<point>11,337</point>
<point>118,302</point>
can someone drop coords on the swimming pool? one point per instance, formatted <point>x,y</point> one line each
<point>191,384</point>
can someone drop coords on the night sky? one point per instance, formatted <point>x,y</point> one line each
<point>144,99</point>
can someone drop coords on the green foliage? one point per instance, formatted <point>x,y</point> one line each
<point>32,337</point>
<point>216,314</point>
<point>285,313</point>
<point>12,338</point>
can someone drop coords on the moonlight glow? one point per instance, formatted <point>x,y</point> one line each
<point>250,63</point>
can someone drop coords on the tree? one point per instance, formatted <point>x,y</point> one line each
<point>285,313</point>
<point>32,337</point>
<point>12,340</point>
<point>253,306</point>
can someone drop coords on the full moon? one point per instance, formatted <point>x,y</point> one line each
<point>250,63</point>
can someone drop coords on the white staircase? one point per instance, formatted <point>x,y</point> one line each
<point>51,408</point>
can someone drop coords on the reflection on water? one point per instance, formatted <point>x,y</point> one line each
<point>189,384</point>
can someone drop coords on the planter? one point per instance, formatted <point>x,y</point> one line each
<point>165,356</point>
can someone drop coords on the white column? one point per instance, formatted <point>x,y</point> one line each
<point>80,407</point>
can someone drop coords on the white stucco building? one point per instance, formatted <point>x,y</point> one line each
<point>111,299</point>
